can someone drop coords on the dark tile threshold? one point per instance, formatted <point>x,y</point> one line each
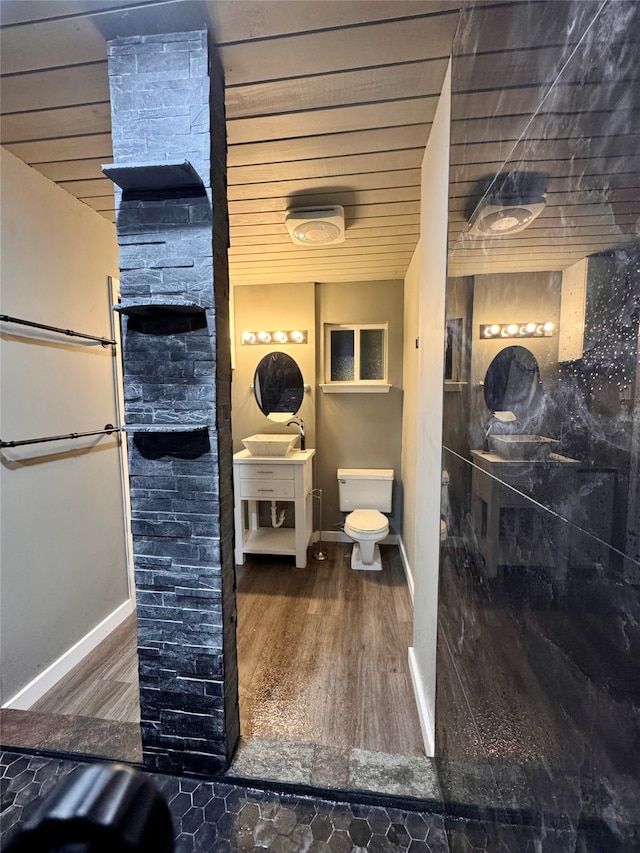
<point>225,817</point>
<point>469,791</point>
<point>70,736</point>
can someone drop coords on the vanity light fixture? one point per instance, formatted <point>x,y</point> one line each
<point>279,336</point>
<point>517,330</point>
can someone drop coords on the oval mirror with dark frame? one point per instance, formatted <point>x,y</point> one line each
<point>511,381</point>
<point>278,386</point>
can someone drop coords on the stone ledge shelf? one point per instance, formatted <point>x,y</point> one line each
<point>144,177</point>
<point>159,428</point>
<point>152,307</point>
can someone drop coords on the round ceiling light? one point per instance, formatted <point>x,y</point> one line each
<point>499,218</point>
<point>317,226</point>
<point>317,231</point>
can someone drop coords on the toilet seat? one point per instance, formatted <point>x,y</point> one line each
<point>369,522</point>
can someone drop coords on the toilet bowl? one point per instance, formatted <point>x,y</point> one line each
<point>364,494</point>
<point>367,527</point>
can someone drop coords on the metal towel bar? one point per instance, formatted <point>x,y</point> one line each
<point>104,341</point>
<point>108,429</point>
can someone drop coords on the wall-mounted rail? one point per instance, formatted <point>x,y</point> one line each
<point>5,318</point>
<point>108,429</point>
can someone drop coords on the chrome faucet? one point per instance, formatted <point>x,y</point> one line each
<point>496,417</point>
<point>485,443</point>
<point>300,424</point>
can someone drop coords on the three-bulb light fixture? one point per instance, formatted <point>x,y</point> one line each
<point>296,336</point>
<point>517,330</point>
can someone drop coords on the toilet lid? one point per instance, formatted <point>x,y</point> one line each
<point>369,520</point>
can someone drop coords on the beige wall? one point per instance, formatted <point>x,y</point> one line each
<point>63,546</point>
<point>347,430</point>
<point>432,288</point>
<point>277,306</point>
<point>359,430</point>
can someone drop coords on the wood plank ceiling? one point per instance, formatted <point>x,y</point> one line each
<point>327,103</point>
<point>332,102</point>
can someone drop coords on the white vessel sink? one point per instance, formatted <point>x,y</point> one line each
<point>522,446</point>
<point>270,445</point>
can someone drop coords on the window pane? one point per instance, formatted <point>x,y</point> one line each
<point>342,355</point>
<point>372,353</point>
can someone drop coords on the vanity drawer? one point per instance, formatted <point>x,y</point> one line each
<point>267,489</point>
<point>265,471</point>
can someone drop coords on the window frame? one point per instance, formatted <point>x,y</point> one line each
<point>356,384</point>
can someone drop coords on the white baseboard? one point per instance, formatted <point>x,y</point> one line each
<point>47,679</point>
<point>424,713</point>
<point>408,571</point>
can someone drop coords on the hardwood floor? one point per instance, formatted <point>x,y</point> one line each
<point>322,653</point>
<point>104,685</point>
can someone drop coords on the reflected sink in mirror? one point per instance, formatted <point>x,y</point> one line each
<point>270,445</point>
<point>522,446</point>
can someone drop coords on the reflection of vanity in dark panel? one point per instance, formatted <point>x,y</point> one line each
<point>520,509</point>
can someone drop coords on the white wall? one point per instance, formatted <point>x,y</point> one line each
<point>410,411</point>
<point>63,547</point>
<point>431,312</point>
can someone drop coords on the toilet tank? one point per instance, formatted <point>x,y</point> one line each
<point>365,488</point>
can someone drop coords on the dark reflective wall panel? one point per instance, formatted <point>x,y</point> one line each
<point>538,705</point>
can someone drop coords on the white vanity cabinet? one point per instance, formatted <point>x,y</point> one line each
<point>267,478</point>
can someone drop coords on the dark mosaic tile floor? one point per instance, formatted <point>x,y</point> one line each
<point>215,817</point>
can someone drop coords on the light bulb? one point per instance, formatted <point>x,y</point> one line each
<point>548,327</point>
<point>248,338</point>
<point>264,337</point>
<point>297,336</point>
<point>494,329</point>
<point>280,337</point>
<point>531,327</point>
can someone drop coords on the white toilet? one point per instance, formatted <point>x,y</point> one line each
<point>365,493</point>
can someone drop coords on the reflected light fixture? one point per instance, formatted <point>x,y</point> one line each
<point>517,330</point>
<point>316,226</point>
<point>501,216</point>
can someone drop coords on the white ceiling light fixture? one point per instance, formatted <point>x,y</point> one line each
<point>497,217</point>
<point>316,226</point>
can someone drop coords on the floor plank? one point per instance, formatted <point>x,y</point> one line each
<point>322,658</point>
<point>104,685</point>
<point>323,653</point>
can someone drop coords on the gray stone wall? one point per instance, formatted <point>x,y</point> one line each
<point>167,108</point>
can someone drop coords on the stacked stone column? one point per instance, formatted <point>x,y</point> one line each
<point>169,169</point>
